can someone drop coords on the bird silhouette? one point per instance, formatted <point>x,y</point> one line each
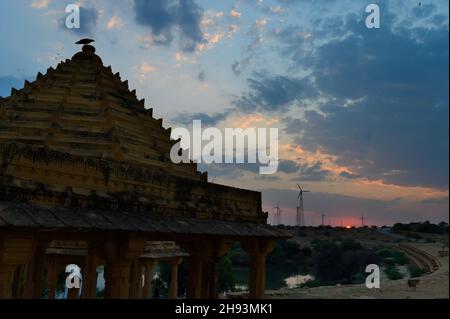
<point>85,41</point>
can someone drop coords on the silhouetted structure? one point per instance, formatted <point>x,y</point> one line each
<point>300,210</point>
<point>86,178</point>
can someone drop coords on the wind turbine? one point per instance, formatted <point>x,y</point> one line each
<point>300,212</point>
<point>278,214</point>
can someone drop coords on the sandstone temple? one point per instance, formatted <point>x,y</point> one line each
<point>86,179</point>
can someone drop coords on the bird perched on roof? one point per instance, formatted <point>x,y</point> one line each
<point>85,41</point>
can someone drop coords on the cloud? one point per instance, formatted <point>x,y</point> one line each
<point>215,30</point>
<point>207,119</point>
<point>252,49</point>
<point>288,166</point>
<point>239,66</point>
<point>349,175</point>
<point>181,57</point>
<point>88,22</point>
<point>144,69</point>
<point>299,172</point>
<point>147,68</point>
<point>424,10</point>
<point>235,14</point>
<point>164,18</point>
<point>387,112</point>
<point>201,76</point>
<point>228,171</point>
<point>304,171</point>
<point>313,172</point>
<point>440,20</point>
<point>275,10</point>
<point>40,4</point>
<point>271,92</point>
<point>436,200</point>
<point>115,22</point>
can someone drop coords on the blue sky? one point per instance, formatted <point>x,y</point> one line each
<point>362,113</point>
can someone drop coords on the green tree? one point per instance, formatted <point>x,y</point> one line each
<point>226,280</point>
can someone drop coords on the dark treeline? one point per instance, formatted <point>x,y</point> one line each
<point>425,227</point>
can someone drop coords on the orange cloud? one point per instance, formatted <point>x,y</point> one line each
<point>114,22</point>
<point>252,120</point>
<point>235,14</point>
<point>40,4</point>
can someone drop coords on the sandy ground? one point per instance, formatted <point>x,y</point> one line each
<point>431,286</point>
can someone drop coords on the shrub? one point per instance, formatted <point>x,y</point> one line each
<point>350,244</point>
<point>226,280</point>
<point>306,251</point>
<point>335,264</point>
<point>414,236</point>
<point>400,258</point>
<point>415,271</point>
<point>238,256</point>
<point>385,253</point>
<point>392,273</point>
<point>389,262</point>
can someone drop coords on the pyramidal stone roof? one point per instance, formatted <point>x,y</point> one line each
<point>83,108</point>
<point>77,138</point>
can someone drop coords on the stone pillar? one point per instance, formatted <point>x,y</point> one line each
<point>173,289</point>
<point>213,287</point>
<point>209,278</point>
<point>15,251</point>
<point>196,263</point>
<point>52,277</point>
<point>147,289</point>
<point>37,269</point>
<point>121,253</point>
<point>89,289</point>
<point>28,281</point>
<point>16,283</point>
<point>136,280</point>
<point>73,293</point>
<point>117,279</point>
<point>203,261</point>
<point>6,281</point>
<point>257,249</point>
<point>216,250</point>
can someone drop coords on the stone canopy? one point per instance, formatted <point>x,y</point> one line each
<point>83,163</point>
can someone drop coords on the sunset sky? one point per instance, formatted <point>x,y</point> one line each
<point>362,113</point>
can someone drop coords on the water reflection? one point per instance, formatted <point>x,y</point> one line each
<point>297,280</point>
<point>276,278</point>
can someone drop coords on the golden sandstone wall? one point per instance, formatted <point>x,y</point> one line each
<point>78,137</point>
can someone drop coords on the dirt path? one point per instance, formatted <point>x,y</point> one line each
<point>431,286</point>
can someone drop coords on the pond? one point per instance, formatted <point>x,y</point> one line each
<point>276,278</point>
